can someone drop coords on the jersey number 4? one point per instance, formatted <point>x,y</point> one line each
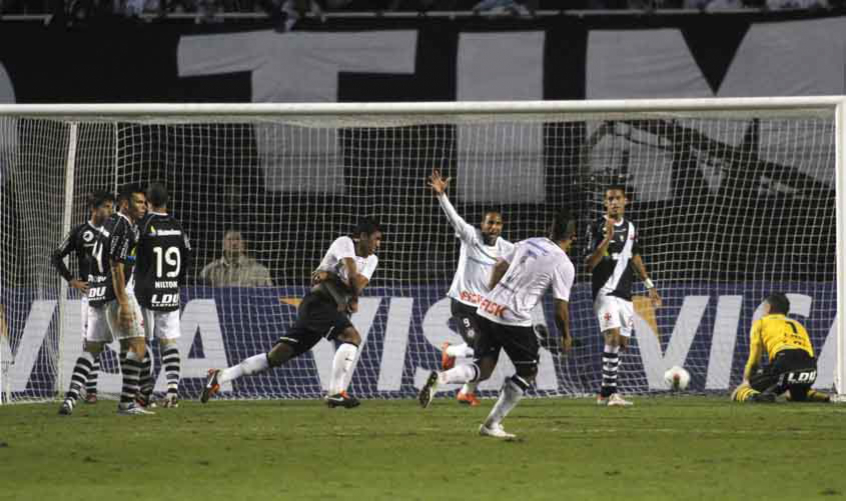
<point>170,257</point>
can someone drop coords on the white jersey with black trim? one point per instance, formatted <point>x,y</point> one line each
<point>475,259</point>
<point>535,264</point>
<point>342,248</point>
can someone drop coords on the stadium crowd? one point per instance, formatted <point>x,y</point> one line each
<point>289,11</point>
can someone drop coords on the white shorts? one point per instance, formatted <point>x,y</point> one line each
<point>96,326</point>
<point>136,328</point>
<point>161,324</point>
<point>614,313</point>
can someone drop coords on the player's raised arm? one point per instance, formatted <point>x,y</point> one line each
<point>601,249</point>
<point>439,186</point>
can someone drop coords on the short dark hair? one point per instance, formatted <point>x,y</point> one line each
<point>157,194</point>
<point>368,226</point>
<point>778,303</point>
<point>126,192</point>
<point>563,226</point>
<point>491,210</point>
<point>616,186</point>
<point>97,198</point>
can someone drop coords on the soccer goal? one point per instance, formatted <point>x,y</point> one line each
<point>732,198</point>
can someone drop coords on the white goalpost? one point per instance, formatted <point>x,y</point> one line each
<point>733,199</point>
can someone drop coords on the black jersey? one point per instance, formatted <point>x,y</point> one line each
<point>79,241</point>
<point>613,274</point>
<point>115,242</point>
<point>162,257</point>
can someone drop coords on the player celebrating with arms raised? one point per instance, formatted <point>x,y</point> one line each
<point>480,249</point>
<point>613,250</point>
<point>324,312</point>
<point>517,283</point>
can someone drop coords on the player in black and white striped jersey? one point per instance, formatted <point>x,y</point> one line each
<point>161,261</point>
<point>80,241</point>
<point>613,255</point>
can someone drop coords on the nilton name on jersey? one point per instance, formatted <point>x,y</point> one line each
<point>166,284</point>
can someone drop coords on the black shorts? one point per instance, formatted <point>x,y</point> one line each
<point>793,370</point>
<point>465,317</point>
<point>520,343</point>
<point>317,318</point>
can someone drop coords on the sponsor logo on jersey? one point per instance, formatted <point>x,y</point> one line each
<point>164,233</point>
<point>492,308</point>
<point>470,297</point>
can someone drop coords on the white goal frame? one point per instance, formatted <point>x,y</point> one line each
<point>350,113</point>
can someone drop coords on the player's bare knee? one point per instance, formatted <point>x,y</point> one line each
<point>486,367</point>
<point>349,335</point>
<point>280,354</point>
<point>138,345</point>
<point>167,342</point>
<point>93,347</point>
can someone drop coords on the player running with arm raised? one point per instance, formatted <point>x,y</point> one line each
<point>517,283</point>
<point>80,241</point>
<point>480,248</point>
<point>612,253</point>
<point>324,312</point>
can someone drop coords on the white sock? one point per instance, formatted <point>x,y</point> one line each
<point>247,367</point>
<point>458,374</point>
<point>460,350</point>
<point>341,364</point>
<point>469,388</point>
<point>511,393</point>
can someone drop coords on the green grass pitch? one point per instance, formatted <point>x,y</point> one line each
<point>662,448</point>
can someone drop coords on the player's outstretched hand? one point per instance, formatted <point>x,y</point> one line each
<point>438,184</point>
<point>655,297</point>
<point>79,285</point>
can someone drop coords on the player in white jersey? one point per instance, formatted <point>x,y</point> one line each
<point>324,312</point>
<point>613,250</point>
<point>517,284</point>
<point>480,248</point>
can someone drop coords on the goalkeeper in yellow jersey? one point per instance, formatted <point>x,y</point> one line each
<point>792,369</point>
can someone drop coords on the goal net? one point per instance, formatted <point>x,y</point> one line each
<point>732,199</point>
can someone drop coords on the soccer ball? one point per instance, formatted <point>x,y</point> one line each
<point>677,378</point>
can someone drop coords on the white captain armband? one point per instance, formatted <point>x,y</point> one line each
<point>648,283</point>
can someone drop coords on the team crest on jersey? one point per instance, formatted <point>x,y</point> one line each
<point>606,317</point>
<point>88,236</point>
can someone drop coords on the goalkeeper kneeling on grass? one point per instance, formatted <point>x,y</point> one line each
<point>793,367</point>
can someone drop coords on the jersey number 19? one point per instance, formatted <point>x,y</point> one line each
<point>171,257</point>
